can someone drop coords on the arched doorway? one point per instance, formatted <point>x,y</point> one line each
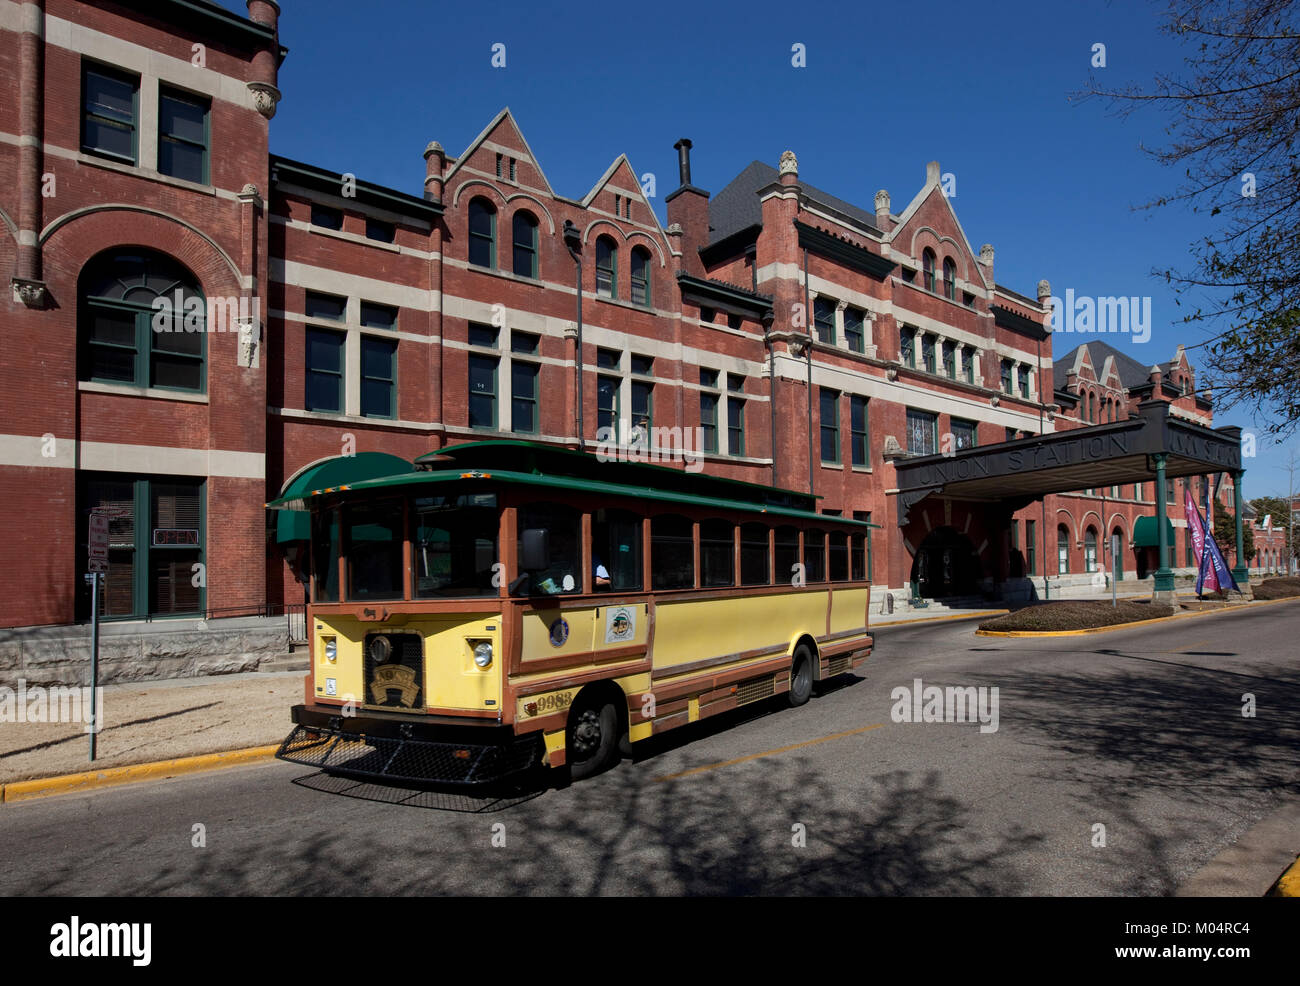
<point>946,565</point>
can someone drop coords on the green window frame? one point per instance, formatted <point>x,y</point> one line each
<point>325,360</point>
<point>969,366</point>
<point>927,269</point>
<point>184,134</point>
<point>643,400</point>
<point>110,113</point>
<point>1023,382</point>
<point>317,305</point>
<point>922,432</point>
<point>483,390</point>
<point>1031,547</point>
<point>482,233</point>
<point>927,352</point>
<point>735,426</point>
<point>949,279</point>
<point>860,430</point>
<point>125,335</point>
<point>524,378</point>
<point>907,345</point>
<point>965,434</point>
<point>854,331</point>
<point>606,267</point>
<point>1006,376</point>
<point>824,320</point>
<point>377,316</point>
<point>948,355</point>
<point>524,226</point>
<point>829,416</point>
<point>378,377</point>
<point>640,270</point>
<point>608,403</point>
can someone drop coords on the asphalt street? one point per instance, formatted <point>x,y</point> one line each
<point>1140,731</point>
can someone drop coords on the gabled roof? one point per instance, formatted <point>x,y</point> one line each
<point>737,206</point>
<point>504,116</point>
<point>1131,373</point>
<point>930,188</point>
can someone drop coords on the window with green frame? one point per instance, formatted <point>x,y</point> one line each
<point>325,367</point>
<point>1023,381</point>
<point>378,377</point>
<point>927,352</point>
<point>907,345</point>
<point>643,396</point>
<point>130,328</point>
<point>949,357</point>
<point>525,243</point>
<point>183,135</point>
<point>1006,376</point>
<point>110,106</point>
<point>640,276</point>
<point>829,406</point>
<point>156,537</point>
<point>735,419</point>
<point>709,398</point>
<point>607,404</point>
<point>965,434</point>
<point>523,397</point>
<point>858,427</point>
<point>824,320</point>
<point>606,267</point>
<point>922,432</point>
<point>854,334</point>
<point>482,233</point>
<point>482,390</point>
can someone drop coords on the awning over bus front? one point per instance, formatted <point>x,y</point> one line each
<point>342,470</point>
<point>1146,534</point>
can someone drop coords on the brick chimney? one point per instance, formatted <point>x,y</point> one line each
<point>688,207</point>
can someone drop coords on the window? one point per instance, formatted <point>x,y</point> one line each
<point>949,279</point>
<point>1031,547</point>
<point>642,394</point>
<point>1024,381</point>
<point>375,316</point>
<point>606,268</point>
<point>969,366</point>
<point>129,328</point>
<point>927,269</point>
<point>454,544</point>
<point>615,551</point>
<point>949,360</point>
<point>155,541</point>
<point>564,574</point>
<point>524,343</point>
<point>325,306</point>
<point>324,371</point>
<point>500,158</point>
<point>110,103</point>
<point>735,321</point>
<point>378,377</point>
<point>523,397</point>
<point>1090,550</point>
<point>326,217</point>
<point>1006,376</point>
<point>1137,491</point>
<point>859,552</point>
<point>482,233</point>
<point>482,335</point>
<point>525,255</point>
<point>1062,549</point>
<point>787,554</point>
<point>672,553</point>
<point>513,163</point>
<point>377,229</point>
<point>824,320</point>
<point>922,432</point>
<point>375,539</point>
<point>830,424</point>
<point>907,345</point>
<point>709,410</point>
<point>607,405</point>
<point>964,433</point>
<point>837,556</point>
<point>644,365</point>
<point>707,315</point>
<point>482,391</point>
<point>814,555</point>
<point>735,415</point>
<point>854,334</point>
<point>182,135</point>
<point>755,560</point>
<point>861,452</point>
<point>640,276</point>
<point>717,553</point>
<point>927,352</point>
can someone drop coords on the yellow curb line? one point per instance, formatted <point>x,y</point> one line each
<point>1135,623</point>
<point>1288,884</point>
<point>43,787</point>
<point>936,619</point>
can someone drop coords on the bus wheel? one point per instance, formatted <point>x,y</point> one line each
<point>591,744</point>
<point>801,676</point>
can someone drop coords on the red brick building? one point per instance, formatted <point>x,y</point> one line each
<point>337,316</point>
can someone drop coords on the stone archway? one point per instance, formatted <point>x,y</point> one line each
<point>946,564</point>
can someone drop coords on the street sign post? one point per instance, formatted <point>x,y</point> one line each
<point>1114,570</point>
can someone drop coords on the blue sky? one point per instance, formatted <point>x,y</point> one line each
<point>982,88</point>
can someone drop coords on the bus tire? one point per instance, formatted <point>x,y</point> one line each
<point>592,737</point>
<point>801,677</point>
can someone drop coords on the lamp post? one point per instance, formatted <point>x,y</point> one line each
<point>573,242</point>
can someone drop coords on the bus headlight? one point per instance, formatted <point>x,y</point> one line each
<point>483,653</point>
<point>331,649</point>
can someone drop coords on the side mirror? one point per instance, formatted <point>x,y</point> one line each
<point>535,549</point>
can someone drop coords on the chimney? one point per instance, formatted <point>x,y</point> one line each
<point>266,63</point>
<point>688,207</point>
<point>435,162</point>
<point>1157,377</point>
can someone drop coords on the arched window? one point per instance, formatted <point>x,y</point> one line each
<point>1062,549</point>
<point>143,321</point>
<point>1090,549</point>
<point>640,276</point>
<point>927,269</point>
<point>482,233</point>
<point>525,255</point>
<point>949,279</point>
<point>606,267</point>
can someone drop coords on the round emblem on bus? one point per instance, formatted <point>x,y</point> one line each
<point>559,632</point>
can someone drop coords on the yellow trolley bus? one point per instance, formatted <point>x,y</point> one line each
<point>507,604</point>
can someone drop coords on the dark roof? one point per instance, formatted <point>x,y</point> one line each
<point>1131,373</point>
<point>737,206</point>
<point>366,193</point>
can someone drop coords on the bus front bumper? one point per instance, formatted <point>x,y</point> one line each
<point>435,749</point>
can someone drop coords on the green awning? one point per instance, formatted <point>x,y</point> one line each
<point>1147,535</point>
<point>295,525</point>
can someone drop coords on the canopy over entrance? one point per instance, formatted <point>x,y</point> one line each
<point>1146,533</point>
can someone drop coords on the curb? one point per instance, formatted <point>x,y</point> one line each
<point>1288,884</point>
<point>1134,623</point>
<point>43,787</point>
<point>937,619</point>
